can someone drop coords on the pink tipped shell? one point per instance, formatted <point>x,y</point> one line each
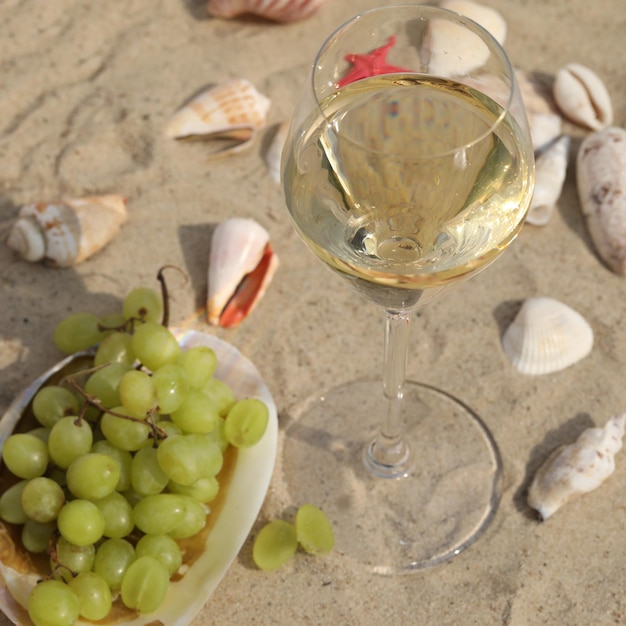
<point>275,10</point>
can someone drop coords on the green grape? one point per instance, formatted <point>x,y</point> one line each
<point>123,433</point>
<point>113,557</point>
<point>104,384</point>
<point>180,458</point>
<point>204,489</point>
<point>145,584</point>
<point>11,509</point>
<point>275,544</point>
<point>36,537</point>
<point>111,323</point>
<point>94,595</point>
<point>159,513</point>
<point>313,530</point>
<point>143,303</point>
<point>199,363</point>
<point>246,422</point>
<point>196,414</point>
<point>77,332</point>
<point>42,433</point>
<point>172,387</point>
<point>80,522</point>
<point>53,402</point>
<point>210,454</point>
<point>25,455</point>
<point>146,475</point>
<point>123,458</point>
<point>137,393</point>
<point>42,499</point>
<point>69,439</point>
<point>92,476</point>
<point>193,521</point>
<point>221,394</point>
<point>52,603</point>
<point>163,548</point>
<point>72,559</point>
<point>118,515</point>
<point>218,435</point>
<point>171,430</point>
<point>154,345</point>
<point>115,348</point>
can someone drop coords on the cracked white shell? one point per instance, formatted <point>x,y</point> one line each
<point>601,181</point>
<point>233,110</point>
<point>574,469</point>
<point>582,97</point>
<point>68,231</point>
<point>275,10</point>
<point>546,336</point>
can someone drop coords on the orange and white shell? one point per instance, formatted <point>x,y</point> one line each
<point>574,469</point>
<point>234,110</point>
<point>241,266</point>
<point>69,231</point>
<point>275,10</point>
<point>546,336</point>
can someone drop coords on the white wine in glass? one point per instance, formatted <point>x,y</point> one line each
<point>405,180</point>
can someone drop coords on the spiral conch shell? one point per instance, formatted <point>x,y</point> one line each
<point>69,231</point>
<point>574,469</point>
<point>241,266</point>
<point>275,10</point>
<point>601,180</point>
<point>546,336</point>
<point>232,110</point>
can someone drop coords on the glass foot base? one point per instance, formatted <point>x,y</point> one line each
<point>395,525</point>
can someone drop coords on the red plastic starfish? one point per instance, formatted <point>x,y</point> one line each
<point>371,64</point>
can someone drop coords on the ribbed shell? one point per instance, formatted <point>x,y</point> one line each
<point>546,336</point>
<point>69,231</point>
<point>276,10</point>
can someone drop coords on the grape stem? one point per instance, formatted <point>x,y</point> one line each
<point>165,293</point>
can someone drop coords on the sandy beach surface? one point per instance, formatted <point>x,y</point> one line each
<point>87,89</point>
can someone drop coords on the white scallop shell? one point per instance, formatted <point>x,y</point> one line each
<point>234,109</point>
<point>582,96</point>
<point>67,232</point>
<point>577,468</point>
<point>550,171</point>
<point>546,336</point>
<point>238,247</point>
<point>601,180</point>
<point>276,10</point>
<point>451,49</point>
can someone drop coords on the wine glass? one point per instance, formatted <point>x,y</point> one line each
<point>407,169</point>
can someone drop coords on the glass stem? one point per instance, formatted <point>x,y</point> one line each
<point>389,454</point>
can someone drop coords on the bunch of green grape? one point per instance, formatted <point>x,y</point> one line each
<point>122,464</point>
<point>278,540</point>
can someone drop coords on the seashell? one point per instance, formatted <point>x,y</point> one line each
<point>233,110</point>
<point>574,469</point>
<point>601,181</point>
<point>582,97</point>
<point>544,129</point>
<point>546,336</point>
<point>67,232</point>
<point>450,49</point>
<point>275,10</point>
<point>241,266</point>
<point>274,152</point>
<point>550,171</point>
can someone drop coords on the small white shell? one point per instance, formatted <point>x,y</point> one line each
<point>601,181</point>
<point>546,336</point>
<point>582,97</point>
<point>550,171</point>
<point>577,468</point>
<point>275,150</point>
<point>451,49</point>
<point>67,232</point>
<point>241,266</point>
<point>544,129</point>
<point>276,10</point>
<point>234,109</point>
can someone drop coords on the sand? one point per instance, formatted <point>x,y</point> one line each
<point>87,89</point>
